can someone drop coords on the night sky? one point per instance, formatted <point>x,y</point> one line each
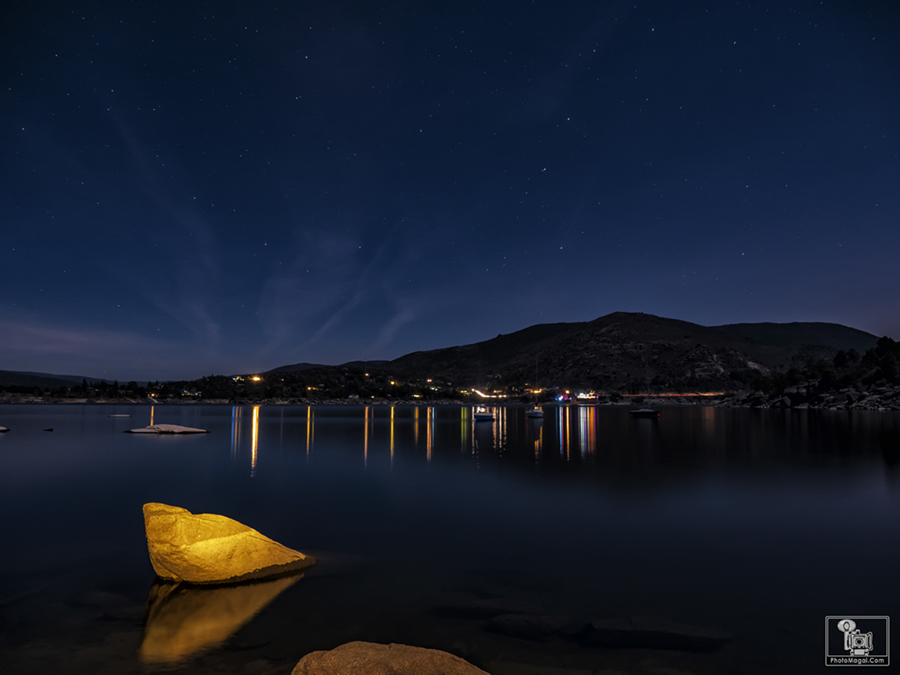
<point>218,187</point>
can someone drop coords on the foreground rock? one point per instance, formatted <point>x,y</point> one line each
<point>212,549</point>
<point>653,632</point>
<point>167,429</point>
<point>369,658</point>
<point>3,430</point>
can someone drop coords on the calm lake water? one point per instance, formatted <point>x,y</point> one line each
<point>758,522</point>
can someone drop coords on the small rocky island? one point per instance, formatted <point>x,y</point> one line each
<point>167,429</point>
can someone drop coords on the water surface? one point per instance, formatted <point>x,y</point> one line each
<point>759,522</point>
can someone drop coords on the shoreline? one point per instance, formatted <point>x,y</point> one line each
<point>884,399</point>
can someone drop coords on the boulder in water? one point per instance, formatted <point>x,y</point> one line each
<point>210,549</point>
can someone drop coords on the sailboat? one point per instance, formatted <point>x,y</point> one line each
<point>535,412</point>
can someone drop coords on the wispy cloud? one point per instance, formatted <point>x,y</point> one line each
<point>388,330</point>
<point>302,301</point>
<point>41,347</point>
<point>190,249</point>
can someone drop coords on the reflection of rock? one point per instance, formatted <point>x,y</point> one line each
<point>183,621</point>
<point>654,633</point>
<point>375,659</point>
<point>212,549</point>
<point>167,429</point>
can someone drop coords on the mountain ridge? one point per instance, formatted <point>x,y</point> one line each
<point>618,351</point>
<point>636,350</point>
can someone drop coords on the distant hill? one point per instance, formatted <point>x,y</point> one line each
<point>616,352</point>
<point>634,351</point>
<point>295,368</point>
<point>355,365</point>
<point>796,335</point>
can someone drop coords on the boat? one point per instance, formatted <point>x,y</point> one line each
<point>535,412</point>
<point>482,415</point>
<point>644,412</point>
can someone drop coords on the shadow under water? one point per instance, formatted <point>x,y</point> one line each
<point>184,621</point>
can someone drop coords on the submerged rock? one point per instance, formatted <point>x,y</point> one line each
<point>167,429</point>
<point>370,658</point>
<point>101,600</point>
<point>653,632</point>
<point>211,549</point>
<point>486,608</point>
<point>529,626</point>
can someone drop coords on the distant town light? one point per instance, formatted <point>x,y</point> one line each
<point>483,395</point>
<point>256,378</point>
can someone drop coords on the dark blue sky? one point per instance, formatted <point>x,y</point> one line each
<point>211,187</point>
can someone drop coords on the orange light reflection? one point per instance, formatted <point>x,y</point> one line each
<point>255,442</point>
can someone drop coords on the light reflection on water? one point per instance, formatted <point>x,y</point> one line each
<point>587,435</point>
<point>730,518</point>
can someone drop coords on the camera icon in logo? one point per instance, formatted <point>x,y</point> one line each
<point>858,644</point>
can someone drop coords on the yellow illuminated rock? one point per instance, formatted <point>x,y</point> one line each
<point>184,621</point>
<point>211,549</point>
<point>370,658</point>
